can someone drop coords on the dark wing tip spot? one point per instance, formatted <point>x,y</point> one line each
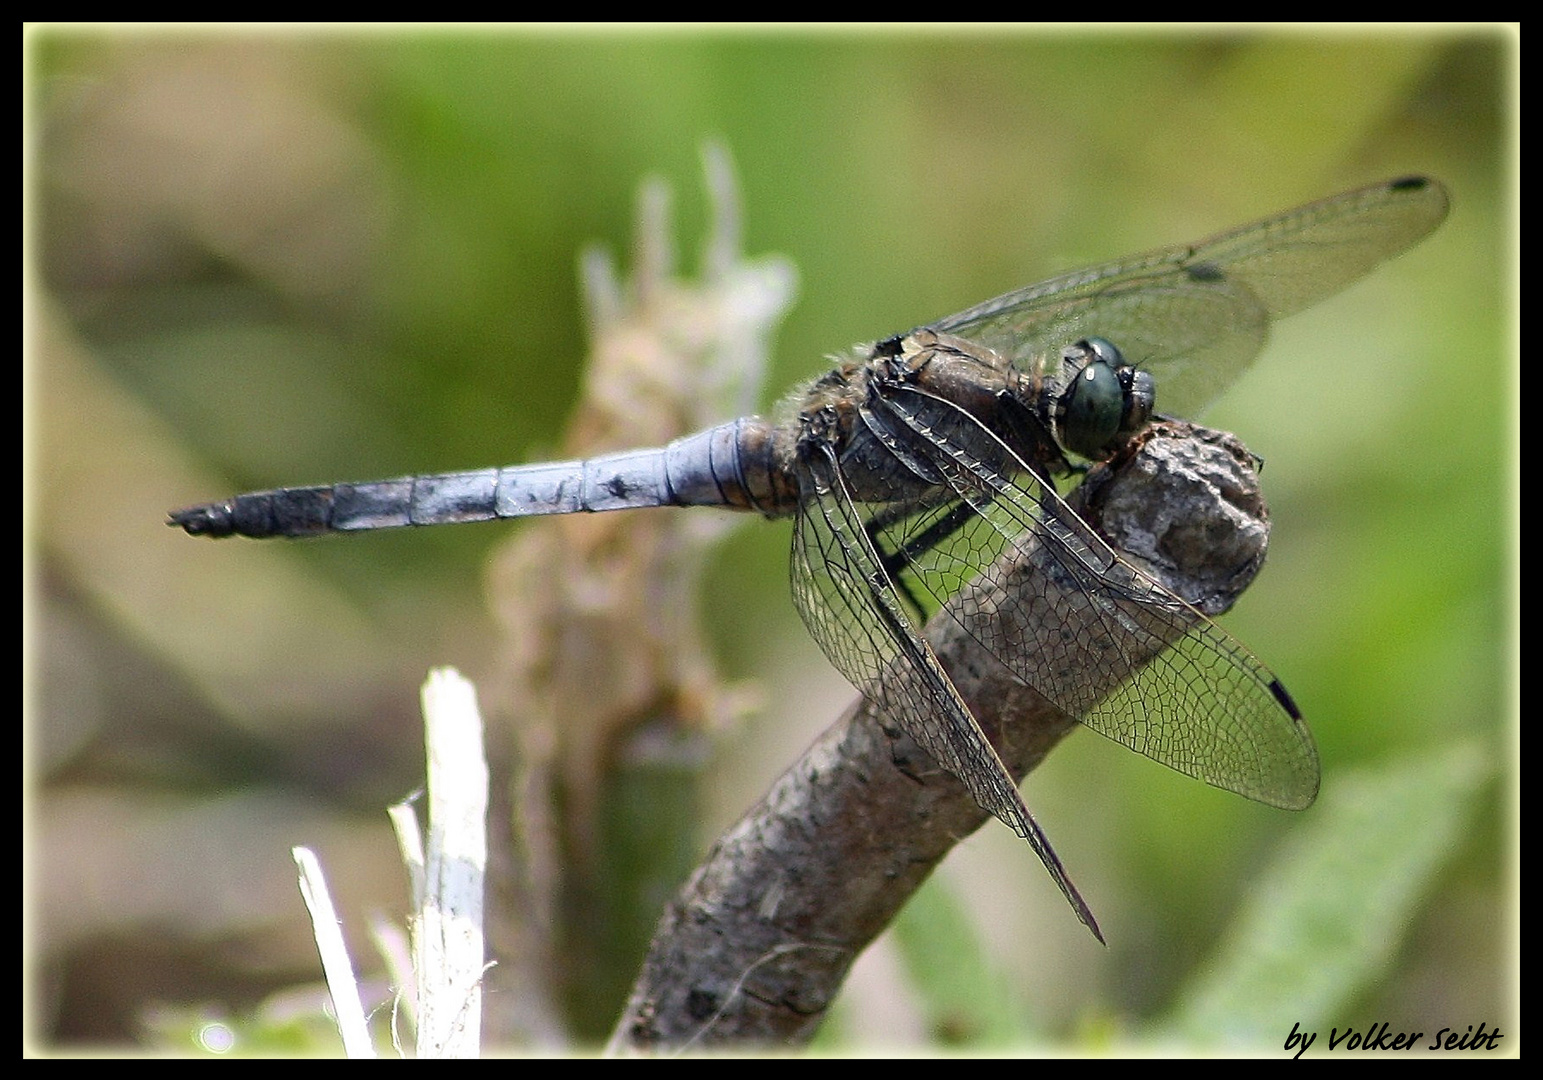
<point>1409,183</point>
<point>1205,271</point>
<point>1285,699</point>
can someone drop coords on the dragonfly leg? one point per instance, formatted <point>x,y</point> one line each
<point>914,547</point>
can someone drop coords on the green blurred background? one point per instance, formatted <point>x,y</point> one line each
<point>282,258</point>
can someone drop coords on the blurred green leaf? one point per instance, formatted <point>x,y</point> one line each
<point>969,1001</point>
<point>1328,915</point>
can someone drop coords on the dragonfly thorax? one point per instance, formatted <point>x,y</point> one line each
<point>1100,401</point>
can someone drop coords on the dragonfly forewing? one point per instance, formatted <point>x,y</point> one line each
<point>1195,315</point>
<point>853,610</point>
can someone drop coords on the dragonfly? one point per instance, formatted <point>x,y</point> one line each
<point>916,467</point>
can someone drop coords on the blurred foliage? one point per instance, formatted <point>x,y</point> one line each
<point>1300,950</point>
<point>291,257</point>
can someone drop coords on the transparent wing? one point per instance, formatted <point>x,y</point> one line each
<point>851,607</point>
<point>1196,315</point>
<point>1103,641</point>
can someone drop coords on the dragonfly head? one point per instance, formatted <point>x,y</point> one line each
<point>1103,400</point>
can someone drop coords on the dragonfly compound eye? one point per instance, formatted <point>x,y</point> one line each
<point>1104,400</point>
